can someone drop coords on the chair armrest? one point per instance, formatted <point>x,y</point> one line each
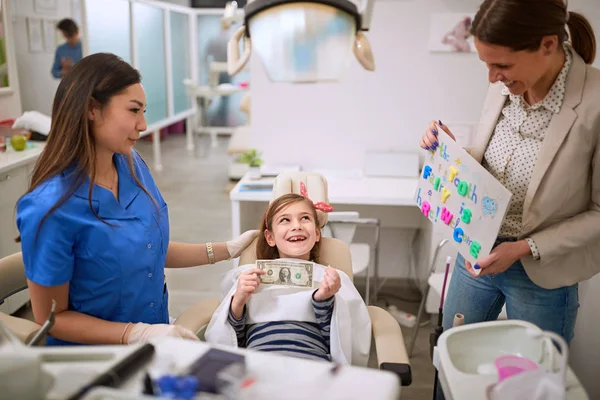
<point>23,329</point>
<point>389,344</point>
<point>13,275</point>
<point>197,316</point>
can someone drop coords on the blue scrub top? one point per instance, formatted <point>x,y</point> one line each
<point>115,273</point>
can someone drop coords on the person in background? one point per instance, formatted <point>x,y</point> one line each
<point>69,52</point>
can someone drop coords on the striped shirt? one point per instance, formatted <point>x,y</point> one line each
<point>299,339</point>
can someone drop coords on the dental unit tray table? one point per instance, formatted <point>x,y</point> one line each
<point>465,355</point>
<point>274,373</point>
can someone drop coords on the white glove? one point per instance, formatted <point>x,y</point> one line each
<point>236,246</point>
<point>142,332</point>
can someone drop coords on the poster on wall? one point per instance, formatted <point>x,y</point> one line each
<point>34,35</point>
<point>49,29</point>
<point>457,194</point>
<point>44,6</point>
<point>449,32</point>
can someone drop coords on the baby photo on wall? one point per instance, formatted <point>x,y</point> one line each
<point>449,32</point>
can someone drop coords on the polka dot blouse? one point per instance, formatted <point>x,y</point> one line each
<point>515,144</point>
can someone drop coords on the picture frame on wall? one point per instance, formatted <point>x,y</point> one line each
<point>449,33</point>
<point>34,35</point>
<point>49,29</point>
<point>45,6</point>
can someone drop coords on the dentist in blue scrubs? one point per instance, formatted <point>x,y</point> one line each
<point>93,225</point>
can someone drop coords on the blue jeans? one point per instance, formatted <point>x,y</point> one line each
<point>481,299</point>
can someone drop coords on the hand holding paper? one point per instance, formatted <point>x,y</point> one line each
<point>500,259</point>
<point>461,197</point>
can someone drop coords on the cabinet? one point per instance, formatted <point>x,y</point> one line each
<point>15,173</point>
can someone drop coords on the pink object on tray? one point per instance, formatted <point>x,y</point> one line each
<point>508,366</point>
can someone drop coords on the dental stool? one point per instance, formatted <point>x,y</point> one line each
<point>13,281</point>
<point>389,342</point>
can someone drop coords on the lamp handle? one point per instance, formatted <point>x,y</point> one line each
<point>362,51</point>
<point>234,63</point>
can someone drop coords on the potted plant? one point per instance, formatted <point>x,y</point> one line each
<point>254,161</point>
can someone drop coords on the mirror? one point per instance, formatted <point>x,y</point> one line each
<point>4,80</point>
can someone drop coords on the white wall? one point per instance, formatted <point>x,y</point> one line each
<point>38,86</point>
<point>385,109</point>
<point>10,102</point>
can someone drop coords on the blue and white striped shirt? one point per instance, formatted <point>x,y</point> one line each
<point>294,338</point>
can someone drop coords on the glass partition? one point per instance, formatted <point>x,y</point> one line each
<point>212,46</point>
<point>180,56</point>
<point>149,29</point>
<point>108,27</point>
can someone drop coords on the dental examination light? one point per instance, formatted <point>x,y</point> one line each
<point>302,41</point>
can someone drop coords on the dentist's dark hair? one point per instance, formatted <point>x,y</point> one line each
<point>263,250</point>
<point>521,25</point>
<point>91,82</point>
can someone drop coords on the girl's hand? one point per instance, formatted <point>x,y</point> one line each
<point>429,140</point>
<point>329,286</point>
<point>247,284</point>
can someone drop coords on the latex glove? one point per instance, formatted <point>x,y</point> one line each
<point>429,140</point>
<point>236,246</point>
<point>330,284</point>
<point>142,332</point>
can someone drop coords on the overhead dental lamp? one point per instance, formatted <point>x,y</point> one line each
<point>302,41</point>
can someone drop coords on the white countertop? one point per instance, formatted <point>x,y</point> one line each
<point>13,159</point>
<point>344,189</point>
<point>272,373</point>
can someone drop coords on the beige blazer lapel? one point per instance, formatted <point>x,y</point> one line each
<point>559,127</point>
<point>492,108</point>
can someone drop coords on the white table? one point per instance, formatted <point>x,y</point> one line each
<point>13,159</point>
<point>389,199</point>
<point>284,375</point>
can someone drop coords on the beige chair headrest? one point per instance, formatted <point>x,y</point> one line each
<point>315,184</point>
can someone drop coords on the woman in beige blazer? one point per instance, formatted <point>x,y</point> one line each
<point>538,135</point>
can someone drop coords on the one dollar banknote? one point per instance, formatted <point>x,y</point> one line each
<point>287,273</point>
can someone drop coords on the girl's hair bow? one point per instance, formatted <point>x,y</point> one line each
<point>321,206</point>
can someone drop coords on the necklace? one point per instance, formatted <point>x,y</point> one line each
<point>114,182</point>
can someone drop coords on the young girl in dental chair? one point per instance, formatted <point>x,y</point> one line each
<point>328,323</point>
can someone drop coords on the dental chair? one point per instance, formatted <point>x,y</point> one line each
<point>389,342</point>
<point>13,281</point>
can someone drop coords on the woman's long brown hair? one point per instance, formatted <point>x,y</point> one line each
<point>521,25</point>
<point>93,81</point>
<point>266,252</point>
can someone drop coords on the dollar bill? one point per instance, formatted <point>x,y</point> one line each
<point>287,273</point>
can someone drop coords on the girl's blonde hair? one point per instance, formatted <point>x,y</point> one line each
<point>266,252</point>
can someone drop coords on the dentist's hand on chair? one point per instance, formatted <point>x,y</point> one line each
<point>236,246</point>
<point>247,284</point>
<point>142,332</point>
<point>330,285</point>
<point>429,140</point>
